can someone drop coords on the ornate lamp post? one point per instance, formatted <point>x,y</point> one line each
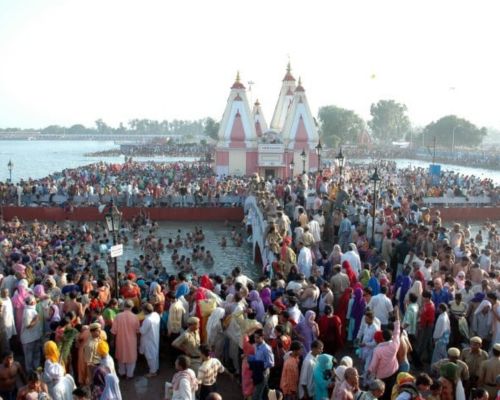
<point>303,156</point>
<point>318,149</point>
<point>340,159</point>
<point>113,219</point>
<point>10,166</point>
<point>375,178</point>
<point>292,168</point>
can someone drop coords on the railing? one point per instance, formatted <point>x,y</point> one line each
<point>127,200</point>
<point>476,201</point>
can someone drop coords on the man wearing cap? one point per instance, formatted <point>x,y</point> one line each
<point>489,370</point>
<point>473,356</point>
<point>189,343</point>
<point>90,354</point>
<point>126,327</point>
<point>454,357</point>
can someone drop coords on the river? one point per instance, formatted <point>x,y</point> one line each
<point>39,158</point>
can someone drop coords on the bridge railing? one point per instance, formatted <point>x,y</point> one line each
<point>473,201</point>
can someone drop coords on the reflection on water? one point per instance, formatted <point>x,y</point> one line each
<point>225,258</point>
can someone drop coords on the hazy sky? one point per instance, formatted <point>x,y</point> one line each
<point>66,62</point>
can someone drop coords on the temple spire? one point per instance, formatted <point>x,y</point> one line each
<point>237,82</point>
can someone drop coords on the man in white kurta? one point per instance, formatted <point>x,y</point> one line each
<point>8,314</point>
<point>150,339</point>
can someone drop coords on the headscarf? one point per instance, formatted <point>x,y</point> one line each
<point>214,324</point>
<point>364,277</point>
<point>403,378</point>
<point>460,280</point>
<point>153,288</point>
<point>349,272</point>
<point>482,306</point>
<point>346,361</point>
<point>358,309</point>
<point>341,310</point>
<point>182,290</point>
<point>374,285</point>
<point>403,283</point>
<point>324,363</point>
<point>308,329</point>
<point>111,388</point>
<point>265,295</point>
<point>18,300</point>
<point>336,254</point>
<point>102,348</point>
<point>51,351</point>
<point>339,379</point>
<point>206,282</point>
<point>257,305</point>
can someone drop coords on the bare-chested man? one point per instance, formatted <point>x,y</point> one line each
<point>10,370</point>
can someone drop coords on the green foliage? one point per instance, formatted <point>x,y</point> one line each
<point>466,133</point>
<point>338,125</point>
<point>211,128</point>
<point>389,121</point>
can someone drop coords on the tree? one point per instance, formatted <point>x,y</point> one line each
<point>338,125</point>
<point>389,121</point>
<point>102,127</point>
<point>211,128</point>
<point>465,133</point>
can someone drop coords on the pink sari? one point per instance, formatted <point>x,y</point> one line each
<point>247,386</point>
<point>18,303</point>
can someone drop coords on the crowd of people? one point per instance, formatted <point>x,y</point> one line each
<point>158,148</point>
<point>354,303</point>
<point>192,184</point>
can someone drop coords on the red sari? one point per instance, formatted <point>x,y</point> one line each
<point>330,333</point>
<point>350,273</point>
<point>341,310</point>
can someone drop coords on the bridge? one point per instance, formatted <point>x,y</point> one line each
<point>255,219</point>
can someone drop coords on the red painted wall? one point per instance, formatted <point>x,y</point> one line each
<point>156,214</point>
<point>466,214</point>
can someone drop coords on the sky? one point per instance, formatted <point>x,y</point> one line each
<point>67,62</point>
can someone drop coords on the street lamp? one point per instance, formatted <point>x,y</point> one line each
<point>292,167</point>
<point>10,165</point>
<point>318,148</point>
<point>303,157</point>
<point>113,220</point>
<point>375,178</point>
<point>453,139</point>
<point>340,159</point>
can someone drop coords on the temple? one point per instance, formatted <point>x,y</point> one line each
<point>246,144</point>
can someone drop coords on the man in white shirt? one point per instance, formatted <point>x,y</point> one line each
<point>366,338</point>
<point>150,339</point>
<point>304,260</point>
<point>31,335</point>
<point>381,306</point>
<point>306,382</point>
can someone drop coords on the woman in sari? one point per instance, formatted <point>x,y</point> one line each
<point>330,331</point>
<point>350,273</point>
<point>307,330</point>
<point>215,332</point>
<point>247,385</point>
<point>266,297</point>
<point>156,297</point>
<point>364,277</point>
<point>342,310</point>
<point>19,302</point>
<point>257,305</point>
<point>111,388</point>
<point>374,284</point>
<point>403,284</point>
<point>60,384</point>
<point>339,373</point>
<point>322,376</point>
<point>356,314</point>
<point>335,255</point>
<point>441,334</point>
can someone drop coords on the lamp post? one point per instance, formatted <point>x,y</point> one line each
<point>318,148</point>
<point>113,220</point>
<point>303,157</point>
<point>10,166</point>
<point>453,139</point>
<point>375,178</point>
<point>292,167</point>
<point>340,159</point>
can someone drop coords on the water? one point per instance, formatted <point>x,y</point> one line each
<point>225,258</point>
<point>39,158</point>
